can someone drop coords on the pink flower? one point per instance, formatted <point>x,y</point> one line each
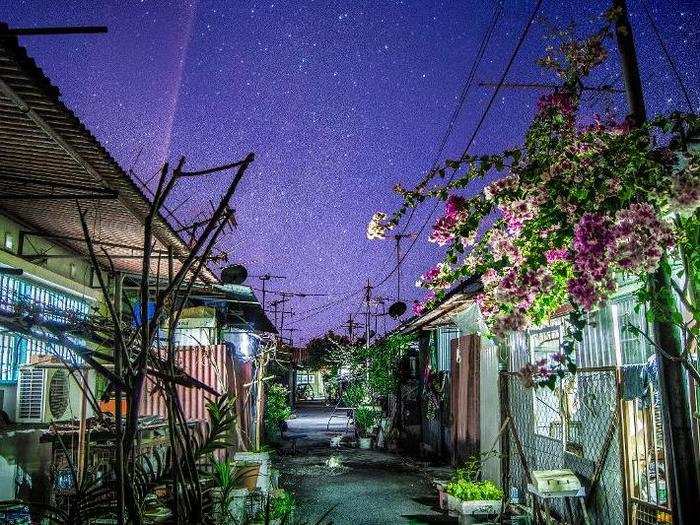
<point>558,357</point>
<point>435,277</point>
<point>640,238</point>
<point>489,277</point>
<point>557,254</point>
<point>455,213</point>
<point>583,290</point>
<point>501,186</point>
<point>502,246</point>
<point>557,102</point>
<point>418,308</point>
<point>517,213</point>
<point>685,190</point>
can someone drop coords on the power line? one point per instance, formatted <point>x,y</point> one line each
<point>464,91</point>
<point>671,63</point>
<point>466,88</point>
<point>488,34</point>
<point>513,56</point>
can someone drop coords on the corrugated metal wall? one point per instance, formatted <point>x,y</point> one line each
<point>489,413</point>
<point>205,363</point>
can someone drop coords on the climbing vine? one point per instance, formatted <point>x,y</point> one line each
<point>582,201</point>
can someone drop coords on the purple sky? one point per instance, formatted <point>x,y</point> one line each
<point>339,101</point>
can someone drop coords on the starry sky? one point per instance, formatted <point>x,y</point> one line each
<point>339,100</point>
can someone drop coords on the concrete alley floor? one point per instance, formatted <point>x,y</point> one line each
<point>365,487</point>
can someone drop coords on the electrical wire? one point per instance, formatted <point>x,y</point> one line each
<point>485,113</point>
<point>466,88</point>
<point>464,92</point>
<point>667,54</point>
<point>487,36</point>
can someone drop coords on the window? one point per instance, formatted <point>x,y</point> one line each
<point>17,350</point>
<point>547,409</point>
<point>9,241</point>
<point>633,348</point>
<point>8,357</point>
<point>444,347</point>
<point>556,412</point>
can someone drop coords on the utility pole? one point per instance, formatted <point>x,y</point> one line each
<point>264,279</point>
<point>368,313</point>
<point>285,298</point>
<point>681,460</point>
<point>291,334</point>
<point>275,304</point>
<point>350,325</point>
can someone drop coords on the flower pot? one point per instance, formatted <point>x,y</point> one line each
<point>248,476</point>
<point>365,443</point>
<point>474,511</point>
<point>454,505</point>
<point>262,460</point>
<point>236,510</point>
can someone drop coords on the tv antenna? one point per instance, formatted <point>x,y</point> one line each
<point>264,279</point>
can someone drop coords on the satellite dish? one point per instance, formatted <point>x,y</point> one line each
<point>235,274</point>
<point>397,309</point>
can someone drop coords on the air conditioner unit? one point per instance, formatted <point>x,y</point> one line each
<point>49,393</point>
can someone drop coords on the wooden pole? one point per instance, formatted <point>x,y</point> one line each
<point>82,426</point>
<point>118,416</point>
<point>681,460</point>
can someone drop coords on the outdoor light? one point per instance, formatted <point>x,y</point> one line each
<point>244,345</point>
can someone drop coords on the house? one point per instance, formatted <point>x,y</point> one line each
<point>604,423</point>
<point>457,383</point>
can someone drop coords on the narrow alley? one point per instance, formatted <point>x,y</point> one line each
<point>351,485</point>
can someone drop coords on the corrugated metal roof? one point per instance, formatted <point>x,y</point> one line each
<point>46,151</point>
<point>457,298</point>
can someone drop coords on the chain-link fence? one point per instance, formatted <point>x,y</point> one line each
<point>575,427</point>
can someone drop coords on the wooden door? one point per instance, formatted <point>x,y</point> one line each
<point>465,400</point>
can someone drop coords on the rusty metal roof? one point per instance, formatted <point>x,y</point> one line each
<point>49,160</point>
<point>456,299</point>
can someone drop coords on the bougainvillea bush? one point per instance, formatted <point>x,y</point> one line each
<point>581,202</point>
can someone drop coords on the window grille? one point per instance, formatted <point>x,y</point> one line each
<point>632,346</point>
<point>547,419</point>
<point>16,350</point>
<point>8,356</point>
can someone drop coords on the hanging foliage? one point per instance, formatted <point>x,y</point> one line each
<point>578,204</point>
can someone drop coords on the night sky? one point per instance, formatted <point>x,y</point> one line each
<point>338,100</point>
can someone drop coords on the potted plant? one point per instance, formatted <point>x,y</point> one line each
<point>279,507</point>
<point>228,496</point>
<point>473,498</point>
<point>365,419</point>
<point>254,468</point>
<point>277,409</point>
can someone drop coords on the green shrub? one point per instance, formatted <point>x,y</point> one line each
<point>354,395</point>
<point>276,406</point>
<point>473,490</point>
<point>281,505</point>
<point>365,419</point>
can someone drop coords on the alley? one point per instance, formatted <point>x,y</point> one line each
<point>354,486</point>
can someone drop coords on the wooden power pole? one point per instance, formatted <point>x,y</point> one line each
<point>681,456</point>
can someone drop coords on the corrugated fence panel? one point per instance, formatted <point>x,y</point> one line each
<point>206,364</point>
